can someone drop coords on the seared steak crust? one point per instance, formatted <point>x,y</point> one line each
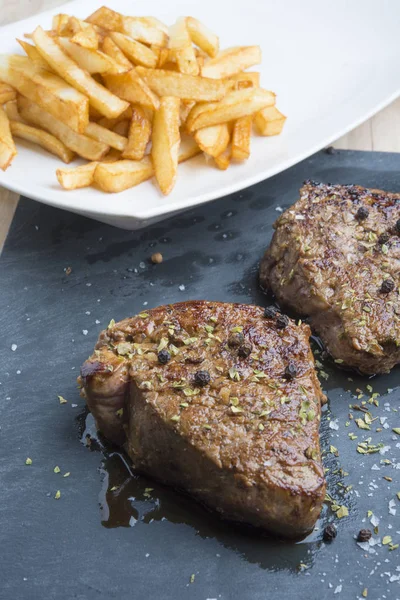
<point>330,255</point>
<point>225,424</point>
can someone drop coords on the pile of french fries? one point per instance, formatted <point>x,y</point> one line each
<point>133,97</point>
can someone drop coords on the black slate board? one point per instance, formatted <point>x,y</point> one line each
<point>59,548</point>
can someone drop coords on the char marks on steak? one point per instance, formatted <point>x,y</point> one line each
<point>335,257</point>
<point>224,424</point>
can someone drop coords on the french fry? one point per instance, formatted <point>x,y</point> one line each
<point>110,123</point>
<point>76,177</point>
<point>122,128</point>
<point>269,121</point>
<point>136,52</point>
<point>184,110</point>
<point>181,47</point>
<point>111,49</point>
<point>60,24</point>
<point>140,29</point>
<point>110,138</point>
<point>223,160</point>
<point>94,61</point>
<point>46,89</point>
<point>139,135</point>
<point>202,36</point>
<point>7,146</point>
<point>107,103</point>
<point>241,136</point>
<point>165,143</point>
<point>81,144</point>
<point>132,88</point>
<point>232,61</point>
<point>41,138</point>
<point>213,140</point>
<point>123,174</point>
<point>236,104</point>
<point>34,55</point>
<point>243,80</point>
<point>11,110</point>
<point>83,33</point>
<point>188,148</point>
<point>106,18</point>
<point>7,93</point>
<point>186,87</point>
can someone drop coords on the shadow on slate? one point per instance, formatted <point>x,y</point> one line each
<point>92,543</point>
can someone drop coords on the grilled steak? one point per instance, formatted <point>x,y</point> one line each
<point>335,257</point>
<point>220,401</point>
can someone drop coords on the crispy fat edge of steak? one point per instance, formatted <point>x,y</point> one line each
<point>287,500</point>
<point>289,276</point>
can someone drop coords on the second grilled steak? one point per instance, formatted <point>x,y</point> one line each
<point>218,400</point>
<point>335,257</point>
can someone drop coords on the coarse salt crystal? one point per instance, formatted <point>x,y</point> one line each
<point>182,288</point>
<point>14,347</point>
<point>334,424</point>
<point>85,331</point>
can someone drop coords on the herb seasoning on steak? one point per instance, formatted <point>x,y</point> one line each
<point>327,261</point>
<point>233,443</point>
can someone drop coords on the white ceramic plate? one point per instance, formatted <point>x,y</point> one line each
<point>332,65</point>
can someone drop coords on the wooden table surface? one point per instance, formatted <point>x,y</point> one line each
<point>381,133</point>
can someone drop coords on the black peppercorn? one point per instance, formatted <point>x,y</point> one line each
<point>290,371</point>
<point>270,312</point>
<point>245,350</point>
<point>202,378</point>
<point>235,339</point>
<point>362,213</point>
<point>384,238</point>
<point>330,150</point>
<point>387,286</point>
<point>282,321</point>
<point>164,356</point>
<point>364,535</point>
<point>330,533</point>
<point>397,226</point>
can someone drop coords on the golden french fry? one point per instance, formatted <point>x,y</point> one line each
<point>7,93</point>
<point>41,138</point>
<point>241,138</point>
<point>188,148</point>
<point>11,110</point>
<point>77,177</point>
<point>244,80</point>
<point>236,104</point>
<point>187,87</point>
<point>81,144</point>
<point>7,146</point>
<point>122,128</point>
<point>269,121</point>
<point>46,89</point>
<point>139,135</point>
<point>232,61</point>
<point>132,88</point>
<point>213,140</point>
<point>110,123</point>
<point>202,36</point>
<point>34,55</point>
<point>60,24</point>
<point>181,47</point>
<point>107,103</point>
<point>111,49</point>
<point>163,57</point>
<point>101,134</point>
<point>140,29</point>
<point>94,61</point>
<point>184,110</point>
<point>82,33</point>
<point>136,52</point>
<point>223,160</point>
<point>165,143</point>
<point>123,174</point>
<point>107,19</point>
